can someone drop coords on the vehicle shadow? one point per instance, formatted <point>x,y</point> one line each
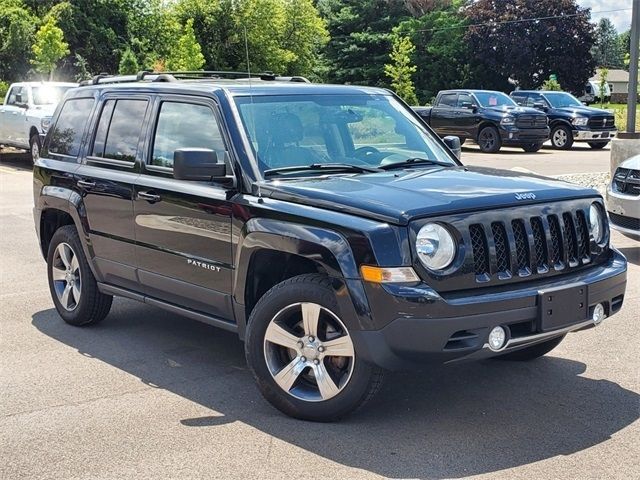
<point>506,150</point>
<point>632,253</point>
<point>16,159</point>
<point>452,422</point>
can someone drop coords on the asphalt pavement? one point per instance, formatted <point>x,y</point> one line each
<point>149,395</point>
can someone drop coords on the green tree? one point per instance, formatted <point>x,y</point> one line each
<point>187,54</point>
<point>528,52</point>
<point>401,69</point>
<point>304,35</point>
<point>17,27</point>
<point>82,68</point>
<point>128,63</point>
<point>602,84</point>
<point>607,48</point>
<point>49,47</point>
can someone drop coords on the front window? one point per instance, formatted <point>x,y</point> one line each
<point>369,131</point>
<point>562,99</point>
<point>494,99</point>
<point>48,94</point>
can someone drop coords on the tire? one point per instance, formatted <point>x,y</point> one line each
<point>462,140</point>
<point>489,140</point>
<point>277,320</point>
<point>34,148</point>
<point>533,352</point>
<point>598,145</point>
<point>561,137</point>
<point>68,272</point>
<point>532,147</point>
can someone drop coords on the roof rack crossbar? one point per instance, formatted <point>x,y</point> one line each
<point>173,76</point>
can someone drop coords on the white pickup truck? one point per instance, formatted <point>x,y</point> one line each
<point>26,113</point>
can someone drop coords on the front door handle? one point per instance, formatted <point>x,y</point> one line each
<point>86,184</point>
<point>149,196</point>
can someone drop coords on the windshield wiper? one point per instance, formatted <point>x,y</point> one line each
<point>344,167</point>
<point>409,162</point>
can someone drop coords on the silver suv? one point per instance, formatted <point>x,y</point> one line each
<point>623,198</point>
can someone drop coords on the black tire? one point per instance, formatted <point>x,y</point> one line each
<point>532,147</point>
<point>92,305</point>
<point>533,352</point>
<point>34,147</point>
<point>462,140</point>
<point>362,384</point>
<point>489,139</point>
<point>561,137</point>
<point>598,145</point>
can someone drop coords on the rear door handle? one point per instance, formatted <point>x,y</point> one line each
<point>86,184</point>
<point>149,196</point>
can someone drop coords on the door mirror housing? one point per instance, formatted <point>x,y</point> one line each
<point>454,145</point>
<point>198,164</point>
<point>540,106</point>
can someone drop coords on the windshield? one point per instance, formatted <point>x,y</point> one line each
<point>356,130</point>
<point>562,99</point>
<point>48,94</point>
<point>494,99</point>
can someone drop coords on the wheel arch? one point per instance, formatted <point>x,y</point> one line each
<point>483,124</point>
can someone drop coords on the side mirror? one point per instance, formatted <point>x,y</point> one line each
<point>540,106</point>
<point>586,104</point>
<point>197,164</point>
<point>468,105</point>
<point>454,145</point>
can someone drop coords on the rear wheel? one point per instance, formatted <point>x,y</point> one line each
<point>72,284</point>
<point>598,145</point>
<point>489,139</point>
<point>301,352</point>
<point>532,147</point>
<point>533,352</point>
<point>34,147</point>
<point>561,137</point>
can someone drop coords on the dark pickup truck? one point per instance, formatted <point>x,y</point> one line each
<point>491,119</point>
<point>570,121</point>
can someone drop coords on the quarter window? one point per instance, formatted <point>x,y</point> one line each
<point>66,135</point>
<point>119,129</point>
<point>185,125</point>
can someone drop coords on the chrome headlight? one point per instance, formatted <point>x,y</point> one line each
<point>580,121</point>
<point>596,223</point>
<point>435,246</point>
<point>508,120</point>
<point>45,123</point>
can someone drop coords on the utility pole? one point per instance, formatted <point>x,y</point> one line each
<point>632,97</point>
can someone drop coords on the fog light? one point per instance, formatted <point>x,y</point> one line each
<point>598,313</point>
<point>497,338</point>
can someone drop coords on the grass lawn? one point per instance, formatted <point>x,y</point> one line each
<point>620,111</point>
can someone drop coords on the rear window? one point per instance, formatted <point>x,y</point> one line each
<point>66,135</point>
<point>119,130</point>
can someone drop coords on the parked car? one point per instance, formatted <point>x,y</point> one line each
<point>326,225</point>
<point>623,198</point>
<point>27,111</point>
<point>591,92</point>
<point>569,119</point>
<point>491,119</point>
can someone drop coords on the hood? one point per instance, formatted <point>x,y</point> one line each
<point>515,110</point>
<point>44,110</point>
<point>584,111</point>
<point>400,196</point>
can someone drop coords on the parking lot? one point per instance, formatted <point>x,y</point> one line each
<point>146,394</point>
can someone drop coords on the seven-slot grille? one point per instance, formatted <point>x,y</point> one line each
<point>531,121</point>
<point>602,121</point>
<point>627,181</point>
<point>535,244</point>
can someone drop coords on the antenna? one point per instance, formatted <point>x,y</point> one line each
<point>252,115</point>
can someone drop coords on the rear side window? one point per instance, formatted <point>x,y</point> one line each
<point>119,130</point>
<point>185,125</point>
<point>66,135</point>
<point>448,100</point>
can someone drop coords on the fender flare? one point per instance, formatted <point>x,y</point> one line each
<point>325,247</point>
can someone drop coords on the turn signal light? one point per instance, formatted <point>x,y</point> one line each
<point>388,274</point>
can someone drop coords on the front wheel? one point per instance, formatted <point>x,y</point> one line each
<point>561,137</point>
<point>532,147</point>
<point>34,147</point>
<point>598,145</point>
<point>533,352</point>
<point>302,355</point>
<point>489,140</point>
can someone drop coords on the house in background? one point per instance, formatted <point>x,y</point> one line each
<point>618,81</point>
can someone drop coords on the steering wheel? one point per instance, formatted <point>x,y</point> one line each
<point>365,151</point>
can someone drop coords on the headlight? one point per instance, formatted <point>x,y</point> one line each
<point>580,121</point>
<point>596,223</point>
<point>45,123</point>
<point>435,246</point>
<point>508,120</point>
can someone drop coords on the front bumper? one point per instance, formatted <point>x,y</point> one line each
<point>591,135</point>
<point>429,328</point>
<point>520,136</point>
<point>623,210</point>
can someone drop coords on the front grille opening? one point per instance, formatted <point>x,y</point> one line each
<point>480,250</point>
<point>522,247</point>
<point>522,329</point>
<point>502,247</point>
<point>582,232</point>
<point>616,303</point>
<point>556,242</point>
<point>540,244</point>
<point>569,234</point>
<point>462,339</point>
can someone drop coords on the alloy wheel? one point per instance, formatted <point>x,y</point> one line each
<point>487,139</point>
<point>559,137</point>
<point>309,352</point>
<point>65,272</point>
<point>35,151</point>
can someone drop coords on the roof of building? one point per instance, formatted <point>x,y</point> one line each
<point>614,75</point>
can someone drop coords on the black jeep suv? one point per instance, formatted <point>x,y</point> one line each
<point>570,121</point>
<point>490,118</point>
<point>326,225</point>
